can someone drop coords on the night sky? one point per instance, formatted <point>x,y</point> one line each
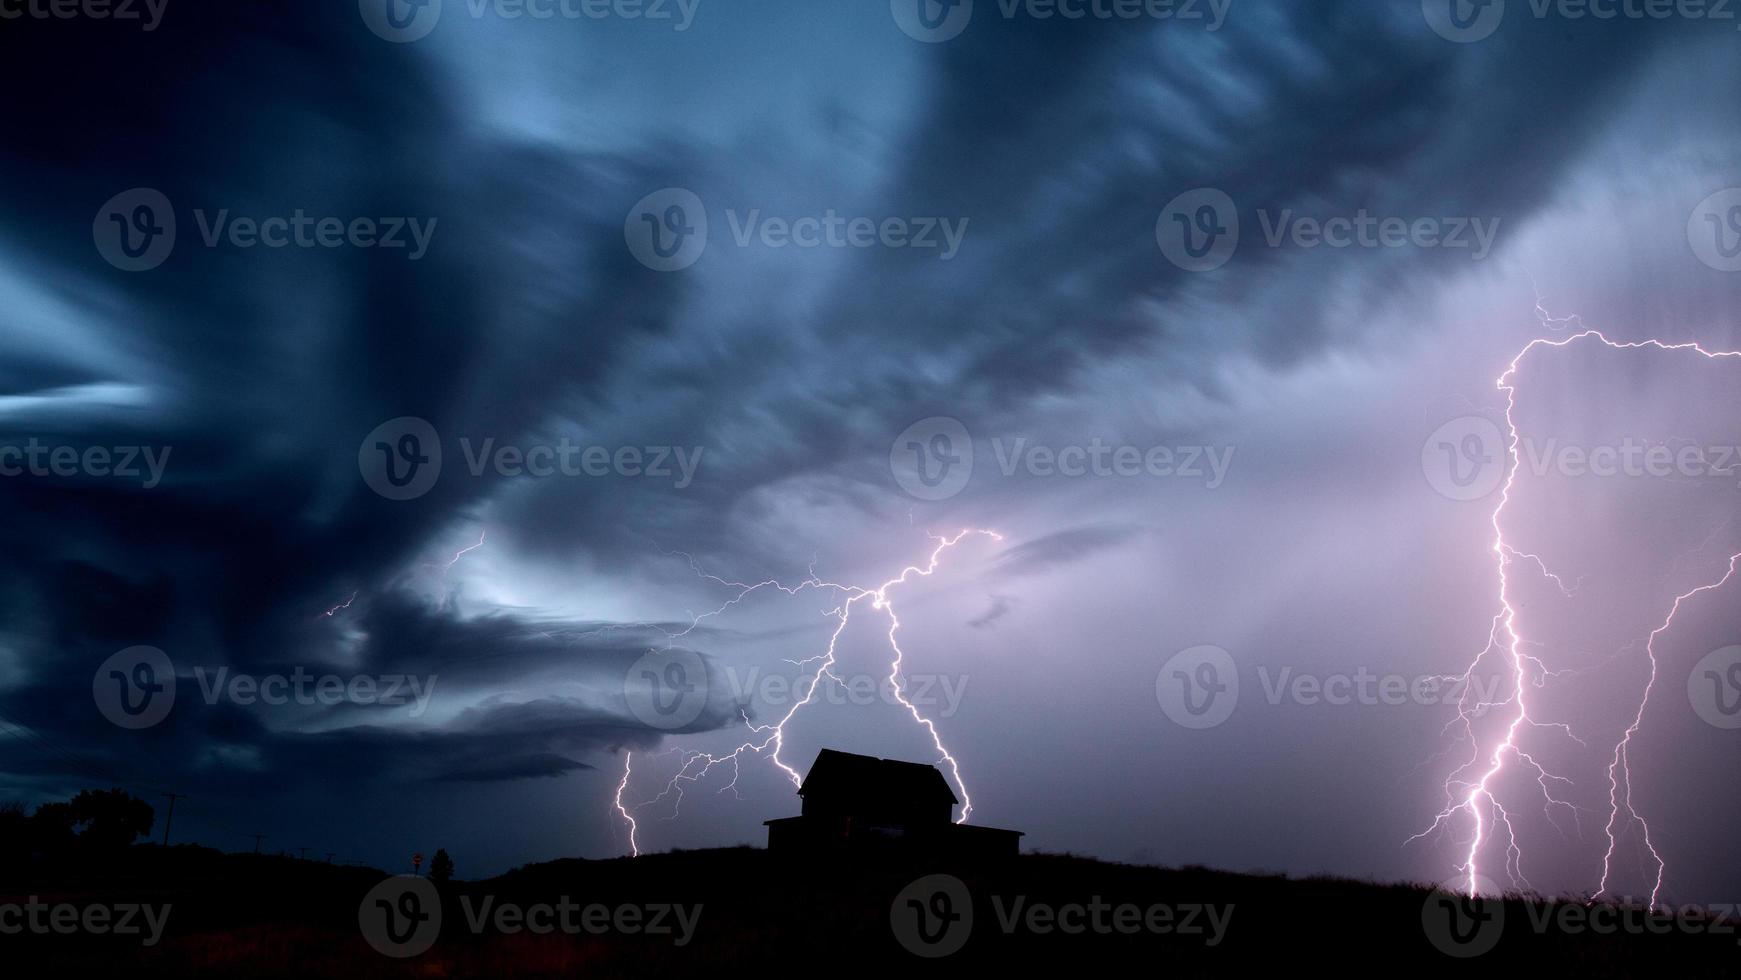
<point>877,248</point>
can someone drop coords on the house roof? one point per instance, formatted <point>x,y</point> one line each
<point>845,776</point>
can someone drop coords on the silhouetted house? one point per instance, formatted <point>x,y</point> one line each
<point>857,802</point>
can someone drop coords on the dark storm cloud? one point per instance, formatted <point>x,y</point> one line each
<point>1064,547</point>
<point>1001,605</point>
<point>528,319</point>
<point>1062,142</point>
<point>243,546</point>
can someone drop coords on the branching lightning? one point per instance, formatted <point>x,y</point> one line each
<point>769,739</point>
<point>1471,790</point>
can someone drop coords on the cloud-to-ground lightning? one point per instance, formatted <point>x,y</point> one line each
<point>769,739</point>
<point>1470,789</point>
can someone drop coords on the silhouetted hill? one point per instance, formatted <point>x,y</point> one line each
<point>741,910</point>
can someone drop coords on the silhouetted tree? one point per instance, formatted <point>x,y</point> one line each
<point>440,867</point>
<point>14,831</point>
<point>51,830</point>
<point>109,820</point>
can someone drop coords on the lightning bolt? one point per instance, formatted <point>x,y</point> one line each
<point>444,567</point>
<point>769,739</point>
<point>1474,796</point>
<point>334,611</point>
<point>447,566</point>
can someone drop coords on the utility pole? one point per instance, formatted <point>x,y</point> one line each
<point>257,839</point>
<point>302,854</point>
<point>329,857</point>
<point>170,817</point>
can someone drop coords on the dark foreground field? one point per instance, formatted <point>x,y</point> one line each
<point>741,910</point>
